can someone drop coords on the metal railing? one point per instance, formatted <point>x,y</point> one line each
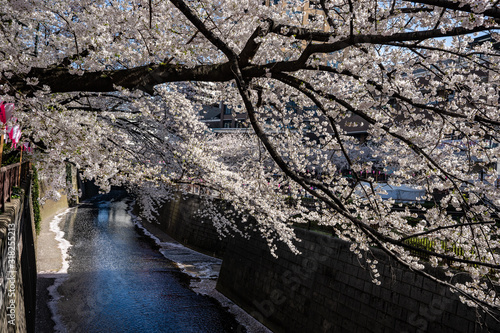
<point>10,176</point>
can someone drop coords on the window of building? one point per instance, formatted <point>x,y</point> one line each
<point>312,18</point>
<point>226,124</point>
<point>315,4</point>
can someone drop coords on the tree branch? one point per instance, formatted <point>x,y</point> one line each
<point>144,78</point>
<point>457,5</point>
<point>251,47</point>
<point>193,18</point>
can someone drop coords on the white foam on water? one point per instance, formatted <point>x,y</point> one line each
<point>190,262</point>
<point>61,275</point>
<point>64,245</point>
<point>204,271</point>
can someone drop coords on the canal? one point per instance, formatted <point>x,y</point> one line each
<point>118,282</point>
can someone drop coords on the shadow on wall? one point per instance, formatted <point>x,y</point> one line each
<point>87,188</point>
<point>327,288</point>
<point>178,218</point>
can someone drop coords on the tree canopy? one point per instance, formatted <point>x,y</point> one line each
<point>116,87</point>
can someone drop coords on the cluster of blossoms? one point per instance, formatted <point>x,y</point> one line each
<point>114,88</point>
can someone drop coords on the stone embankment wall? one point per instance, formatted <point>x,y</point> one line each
<point>326,288</point>
<point>178,218</point>
<point>50,207</point>
<point>18,265</point>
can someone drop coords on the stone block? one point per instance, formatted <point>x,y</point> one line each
<point>402,288</point>
<point>386,319</point>
<point>410,304</point>
<point>378,304</point>
<point>460,325</point>
<point>408,277</point>
<point>364,298</point>
<point>357,283</point>
<point>349,326</point>
<point>425,296</point>
<point>368,287</point>
<point>330,306</point>
<point>369,312</point>
<point>386,294</point>
<point>418,280</point>
<point>429,285</point>
<point>394,310</point>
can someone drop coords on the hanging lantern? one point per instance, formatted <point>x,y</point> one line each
<point>6,111</point>
<point>15,135</point>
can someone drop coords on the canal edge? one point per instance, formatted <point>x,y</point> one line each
<point>204,286</point>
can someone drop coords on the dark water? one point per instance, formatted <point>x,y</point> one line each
<point>117,282</point>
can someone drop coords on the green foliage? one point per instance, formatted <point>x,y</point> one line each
<point>16,192</point>
<point>425,244</point>
<point>35,195</point>
<point>10,156</point>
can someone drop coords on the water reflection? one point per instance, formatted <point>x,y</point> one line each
<point>118,283</point>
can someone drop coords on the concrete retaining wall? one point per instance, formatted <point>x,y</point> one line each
<point>18,265</point>
<point>50,208</point>
<point>326,288</point>
<point>329,289</point>
<point>179,220</point>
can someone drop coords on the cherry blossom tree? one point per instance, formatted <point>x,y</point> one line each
<point>113,87</point>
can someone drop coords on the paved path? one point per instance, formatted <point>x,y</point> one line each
<point>49,266</point>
